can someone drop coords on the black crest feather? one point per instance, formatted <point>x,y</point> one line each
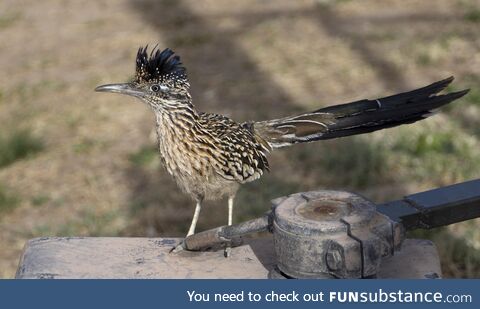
<point>158,65</point>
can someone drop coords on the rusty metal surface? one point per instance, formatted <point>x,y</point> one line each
<point>323,234</point>
<point>137,258</point>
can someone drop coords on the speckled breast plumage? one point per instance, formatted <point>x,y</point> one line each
<point>211,156</point>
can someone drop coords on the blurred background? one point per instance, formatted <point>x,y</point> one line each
<point>78,163</point>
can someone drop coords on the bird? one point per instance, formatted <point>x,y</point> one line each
<point>210,156</point>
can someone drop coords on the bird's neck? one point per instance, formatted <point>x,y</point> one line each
<point>176,117</point>
<point>176,127</point>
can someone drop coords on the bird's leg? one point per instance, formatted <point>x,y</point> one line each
<point>191,230</point>
<point>230,210</point>
<point>196,214</point>
<point>228,249</point>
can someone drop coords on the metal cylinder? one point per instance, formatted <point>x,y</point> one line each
<point>325,234</point>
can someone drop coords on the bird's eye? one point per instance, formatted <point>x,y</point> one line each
<point>155,88</point>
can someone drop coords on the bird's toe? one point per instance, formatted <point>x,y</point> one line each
<point>227,252</point>
<point>180,247</point>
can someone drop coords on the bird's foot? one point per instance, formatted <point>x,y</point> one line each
<point>180,247</point>
<point>227,251</point>
<point>234,242</point>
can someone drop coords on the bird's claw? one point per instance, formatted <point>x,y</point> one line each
<point>180,247</point>
<point>227,251</point>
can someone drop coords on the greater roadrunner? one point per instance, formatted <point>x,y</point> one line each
<point>210,155</point>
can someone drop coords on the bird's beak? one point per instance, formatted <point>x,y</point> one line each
<point>127,88</point>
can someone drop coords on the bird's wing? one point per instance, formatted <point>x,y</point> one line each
<point>242,158</point>
<point>357,117</point>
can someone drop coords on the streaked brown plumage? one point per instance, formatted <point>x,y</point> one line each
<point>210,155</point>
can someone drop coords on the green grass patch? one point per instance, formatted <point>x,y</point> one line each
<point>8,200</point>
<point>145,156</point>
<point>473,96</point>
<point>356,162</point>
<point>427,143</point>
<point>40,200</point>
<point>473,16</point>
<point>85,146</point>
<point>91,224</point>
<point>424,59</point>
<point>6,20</point>
<point>424,153</point>
<point>253,199</point>
<point>17,145</point>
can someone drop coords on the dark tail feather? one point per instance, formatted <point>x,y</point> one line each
<point>357,117</point>
<point>389,114</point>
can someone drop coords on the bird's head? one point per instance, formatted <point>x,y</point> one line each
<point>160,80</point>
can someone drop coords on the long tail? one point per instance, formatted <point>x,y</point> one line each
<point>357,117</point>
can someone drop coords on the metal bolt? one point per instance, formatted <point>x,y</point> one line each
<point>334,259</point>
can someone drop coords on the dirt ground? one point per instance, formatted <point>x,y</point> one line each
<point>98,173</point>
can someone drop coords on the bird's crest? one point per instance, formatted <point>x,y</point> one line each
<point>158,66</point>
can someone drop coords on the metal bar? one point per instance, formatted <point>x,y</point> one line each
<point>437,207</point>
<point>252,226</point>
<point>225,234</point>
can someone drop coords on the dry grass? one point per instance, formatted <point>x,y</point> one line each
<point>97,173</point>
